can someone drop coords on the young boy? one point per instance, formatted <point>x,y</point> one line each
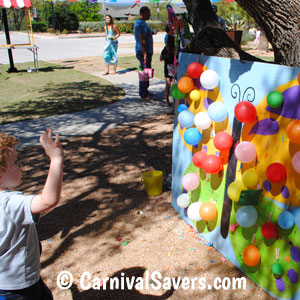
<point>167,55</point>
<point>19,244</point>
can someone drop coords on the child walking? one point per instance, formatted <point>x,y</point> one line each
<point>19,244</point>
<point>167,55</point>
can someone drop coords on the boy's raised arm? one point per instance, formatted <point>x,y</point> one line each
<point>52,189</point>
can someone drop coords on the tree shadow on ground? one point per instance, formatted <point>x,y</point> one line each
<point>46,69</point>
<point>63,98</point>
<point>128,292</point>
<point>102,182</point>
<point>126,70</point>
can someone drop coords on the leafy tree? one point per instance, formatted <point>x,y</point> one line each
<point>16,18</point>
<point>163,14</point>
<point>63,17</point>
<point>87,11</point>
<point>278,19</point>
<point>232,9</point>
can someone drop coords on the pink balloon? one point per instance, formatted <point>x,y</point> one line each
<point>190,181</point>
<point>245,152</point>
<point>296,162</point>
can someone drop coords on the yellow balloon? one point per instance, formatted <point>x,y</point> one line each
<point>250,177</point>
<point>234,190</point>
<point>195,95</point>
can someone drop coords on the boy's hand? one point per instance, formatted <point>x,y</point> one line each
<point>52,147</point>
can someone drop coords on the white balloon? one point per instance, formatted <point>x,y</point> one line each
<point>193,211</point>
<point>209,79</point>
<point>202,120</point>
<point>183,200</point>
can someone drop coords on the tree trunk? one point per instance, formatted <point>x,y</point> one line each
<point>279,19</point>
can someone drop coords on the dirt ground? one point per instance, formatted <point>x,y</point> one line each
<point>107,226</point>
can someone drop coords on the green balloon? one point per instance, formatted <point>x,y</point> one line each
<point>275,99</point>
<point>176,93</point>
<point>277,269</point>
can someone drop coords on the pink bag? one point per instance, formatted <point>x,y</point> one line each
<point>146,73</point>
<point>149,72</point>
<point>143,76</point>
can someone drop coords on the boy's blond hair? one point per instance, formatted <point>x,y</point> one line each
<point>6,142</point>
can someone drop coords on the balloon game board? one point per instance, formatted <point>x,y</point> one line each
<point>236,164</point>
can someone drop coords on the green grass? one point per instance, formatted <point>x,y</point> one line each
<point>53,90</point>
<point>131,63</point>
<point>266,58</point>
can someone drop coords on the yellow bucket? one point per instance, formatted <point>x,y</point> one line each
<point>153,182</point>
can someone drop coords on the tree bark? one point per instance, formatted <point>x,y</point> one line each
<point>279,19</point>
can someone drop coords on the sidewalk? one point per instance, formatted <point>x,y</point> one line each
<point>128,110</point>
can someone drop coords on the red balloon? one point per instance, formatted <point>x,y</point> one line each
<point>245,112</point>
<point>212,164</point>
<point>276,172</point>
<point>195,70</point>
<point>223,141</point>
<point>269,231</point>
<point>198,158</point>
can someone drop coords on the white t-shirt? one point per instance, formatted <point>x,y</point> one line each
<point>19,244</point>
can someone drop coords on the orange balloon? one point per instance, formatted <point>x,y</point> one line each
<point>299,77</point>
<point>208,211</point>
<point>185,84</point>
<point>293,131</point>
<point>251,256</point>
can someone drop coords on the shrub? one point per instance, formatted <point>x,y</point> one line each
<point>247,37</point>
<point>63,17</point>
<point>39,26</point>
<point>124,26</point>
<point>91,26</point>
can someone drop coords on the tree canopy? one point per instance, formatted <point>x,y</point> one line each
<point>279,19</point>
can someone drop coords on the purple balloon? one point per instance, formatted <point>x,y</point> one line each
<point>295,253</point>
<point>267,185</point>
<point>280,285</point>
<point>292,275</point>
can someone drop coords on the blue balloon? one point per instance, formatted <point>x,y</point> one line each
<point>297,217</point>
<point>286,220</point>
<point>217,111</point>
<point>182,107</point>
<point>246,216</point>
<point>186,119</point>
<point>192,136</point>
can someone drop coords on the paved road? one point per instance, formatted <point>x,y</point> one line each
<point>56,47</point>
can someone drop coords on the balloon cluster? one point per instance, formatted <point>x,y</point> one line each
<point>187,86</point>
